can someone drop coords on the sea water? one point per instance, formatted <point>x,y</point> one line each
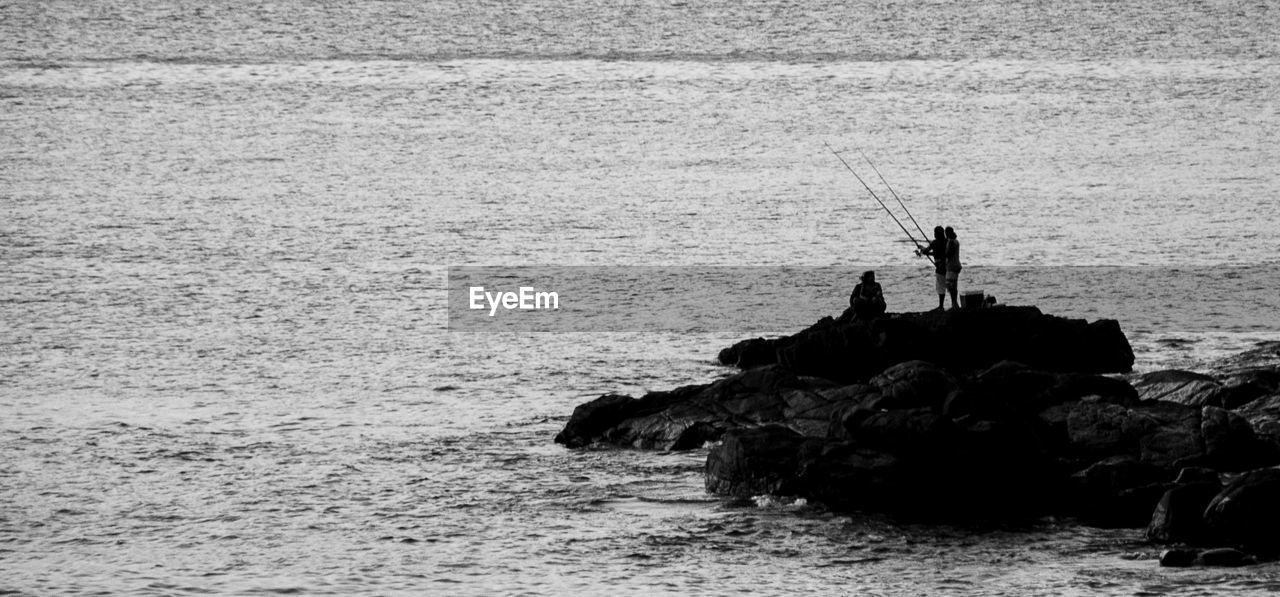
<point>224,358</point>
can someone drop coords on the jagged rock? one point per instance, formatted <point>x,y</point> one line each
<point>778,461</point>
<point>1230,443</point>
<point>913,384</point>
<point>1265,353</point>
<point>590,421</point>
<point>854,475</point>
<point>929,413</point>
<point>957,340</point>
<point>1197,474</point>
<point>1119,491</point>
<point>759,461</point>
<point>1182,387</point>
<point>749,354</point>
<point>1263,415</point>
<point>1246,385</point>
<point>1179,516</point>
<point>1245,513</point>
<point>1006,389</point>
<point>1163,434</point>
<point>917,431</point>
<point>1089,430</point>
<point>847,477</point>
<point>1071,387</point>
<point>690,416</point>
<point>1011,389</point>
<point>1169,435</point>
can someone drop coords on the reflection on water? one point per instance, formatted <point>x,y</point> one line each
<point>223,365</point>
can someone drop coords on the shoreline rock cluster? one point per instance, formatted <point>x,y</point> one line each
<point>978,415</point>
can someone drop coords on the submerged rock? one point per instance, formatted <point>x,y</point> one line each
<point>1219,557</point>
<point>1179,558</point>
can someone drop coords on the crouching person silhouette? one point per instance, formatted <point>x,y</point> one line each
<point>867,299</point>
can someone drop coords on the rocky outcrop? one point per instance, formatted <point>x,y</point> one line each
<point>991,413</point>
<point>690,416</point>
<point>958,340</point>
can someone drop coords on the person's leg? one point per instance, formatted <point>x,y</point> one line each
<point>953,284</point>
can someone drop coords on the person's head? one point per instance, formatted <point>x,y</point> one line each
<point>937,232</point>
<point>951,233</point>
<point>868,276</point>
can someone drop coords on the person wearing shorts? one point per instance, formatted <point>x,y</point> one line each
<point>937,249</point>
<point>953,266</point>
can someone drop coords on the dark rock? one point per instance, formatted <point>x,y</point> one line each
<point>1246,385</point>
<point>1073,387</point>
<point>922,413</point>
<point>1197,474</point>
<point>913,384</point>
<point>778,461</point>
<point>1179,516</point>
<point>916,432</point>
<point>1094,430</point>
<point>1119,491</point>
<point>591,420</point>
<point>1168,434</point>
<point>1263,415</point>
<point>852,475</point>
<point>856,401</point>
<point>749,354</point>
<point>1182,387</point>
<point>847,477</point>
<point>1006,389</point>
<point>692,415</point>
<point>1247,512</point>
<point>1179,558</point>
<point>1011,390</point>
<point>1001,467</point>
<point>1159,433</point>
<point>1218,557</point>
<point>750,462</point>
<point>696,435</point>
<point>1265,353</point>
<point>957,340</point>
<point>1230,443</point>
<point>1225,557</point>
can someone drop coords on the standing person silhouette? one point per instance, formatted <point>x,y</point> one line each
<point>937,249</point>
<point>953,265</point>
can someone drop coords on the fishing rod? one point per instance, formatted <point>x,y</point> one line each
<point>874,196</point>
<point>895,193</point>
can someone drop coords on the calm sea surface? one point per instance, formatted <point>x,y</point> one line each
<point>225,228</point>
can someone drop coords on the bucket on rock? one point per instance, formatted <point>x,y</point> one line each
<point>972,299</point>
